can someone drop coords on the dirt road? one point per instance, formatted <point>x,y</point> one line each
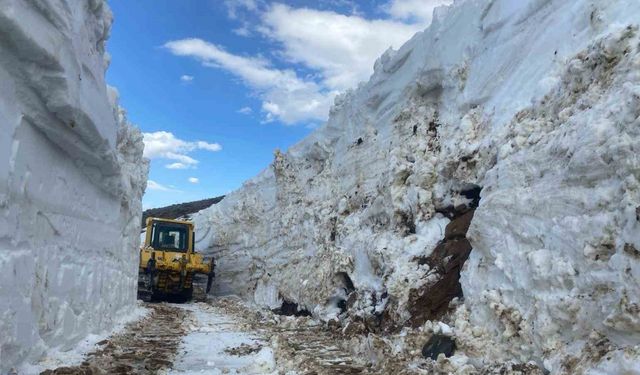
<point>226,336</point>
<point>218,337</point>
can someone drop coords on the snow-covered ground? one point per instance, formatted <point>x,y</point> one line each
<point>535,102</point>
<point>215,345</point>
<point>71,181</point>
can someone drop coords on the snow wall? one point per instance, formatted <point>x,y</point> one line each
<point>71,180</point>
<point>532,103</point>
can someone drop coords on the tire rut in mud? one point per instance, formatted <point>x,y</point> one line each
<point>144,347</point>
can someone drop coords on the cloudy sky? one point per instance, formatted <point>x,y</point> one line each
<point>217,85</point>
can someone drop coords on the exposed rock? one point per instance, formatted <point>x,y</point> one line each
<point>459,226</point>
<point>291,309</point>
<point>439,344</point>
<point>431,301</point>
<point>450,255</point>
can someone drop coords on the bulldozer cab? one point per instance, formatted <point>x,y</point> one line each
<point>170,236</point>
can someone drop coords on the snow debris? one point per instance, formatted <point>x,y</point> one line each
<point>530,105</point>
<point>71,181</point>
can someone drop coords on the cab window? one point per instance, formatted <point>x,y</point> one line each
<point>170,236</point>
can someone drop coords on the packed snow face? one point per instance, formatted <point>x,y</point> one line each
<point>536,102</point>
<point>71,180</point>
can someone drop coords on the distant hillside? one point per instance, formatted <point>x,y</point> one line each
<point>179,210</point>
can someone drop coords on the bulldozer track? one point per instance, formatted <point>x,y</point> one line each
<point>144,347</point>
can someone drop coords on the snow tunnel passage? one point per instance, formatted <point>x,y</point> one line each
<point>431,301</point>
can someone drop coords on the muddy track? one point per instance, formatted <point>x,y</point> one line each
<point>144,347</point>
<point>302,344</point>
<point>308,347</point>
<point>315,351</point>
<point>225,335</point>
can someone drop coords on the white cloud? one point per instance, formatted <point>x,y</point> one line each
<point>420,11</point>
<point>194,180</point>
<point>235,6</point>
<point>177,165</point>
<point>164,145</point>
<point>342,48</point>
<point>338,49</point>
<point>242,31</point>
<point>152,185</point>
<point>186,78</point>
<point>214,147</point>
<point>296,99</point>
<point>238,10</point>
<point>245,110</point>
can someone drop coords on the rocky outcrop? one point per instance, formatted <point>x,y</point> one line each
<point>431,301</point>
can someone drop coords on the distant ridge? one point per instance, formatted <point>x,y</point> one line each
<point>180,209</point>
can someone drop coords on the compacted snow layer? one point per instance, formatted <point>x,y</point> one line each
<point>533,102</point>
<point>214,344</point>
<point>71,180</point>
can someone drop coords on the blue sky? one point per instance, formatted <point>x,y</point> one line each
<point>217,86</point>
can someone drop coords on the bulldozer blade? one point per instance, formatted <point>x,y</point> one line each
<point>209,283</point>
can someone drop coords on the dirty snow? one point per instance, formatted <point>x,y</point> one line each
<point>215,345</point>
<point>534,101</point>
<point>71,181</point>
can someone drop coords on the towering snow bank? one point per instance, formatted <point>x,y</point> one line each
<point>71,180</point>
<point>533,101</point>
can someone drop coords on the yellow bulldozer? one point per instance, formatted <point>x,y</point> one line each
<point>169,264</point>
